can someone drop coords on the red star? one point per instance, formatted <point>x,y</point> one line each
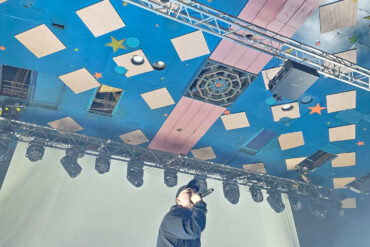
<point>165,114</point>
<point>2,48</point>
<point>360,143</point>
<point>227,112</point>
<point>98,75</point>
<point>316,109</point>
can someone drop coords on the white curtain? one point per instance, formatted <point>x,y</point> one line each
<point>41,206</point>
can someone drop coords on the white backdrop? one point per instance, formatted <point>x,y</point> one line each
<point>41,206</point>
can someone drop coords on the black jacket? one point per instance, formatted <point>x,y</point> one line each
<point>182,227</point>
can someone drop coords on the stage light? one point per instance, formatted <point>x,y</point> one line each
<point>102,164</point>
<point>202,182</point>
<point>69,163</point>
<point>35,152</point>
<point>231,191</point>
<point>295,203</point>
<point>318,209</point>
<point>137,60</point>
<point>170,177</point>
<point>4,146</point>
<point>256,194</point>
<point>275,201</point>
<point>135,172</point>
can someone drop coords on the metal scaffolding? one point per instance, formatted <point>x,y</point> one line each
<point>58,139</point>
<point>217,23</point>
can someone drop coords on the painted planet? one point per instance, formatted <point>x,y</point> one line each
<point>132,42</point>
<point>270,101</point>
<point>120,70</point>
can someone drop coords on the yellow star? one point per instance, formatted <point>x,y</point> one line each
<point>116,44</point>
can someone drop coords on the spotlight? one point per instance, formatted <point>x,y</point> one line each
<point>275,201</point>
<point>318,209</point>
<point>202,182</point>
<point>137,60</point>
<point>69,163</point>
<point>35,152</point>
<point>102,164</point>
<point>135,172</point>
<point>4,146</point>
<point>256,194</point>
<point>159,65</point>
<point>231,191</point>
<point>295,203</point>
<point>170,177</point>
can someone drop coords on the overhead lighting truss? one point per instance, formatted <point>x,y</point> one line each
<point>250,35</point>
<point>58,139</point>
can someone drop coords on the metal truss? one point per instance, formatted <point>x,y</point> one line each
<point>215,22</point>
<point>52,138</point>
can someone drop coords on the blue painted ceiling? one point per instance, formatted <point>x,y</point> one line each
<point>53,100</point>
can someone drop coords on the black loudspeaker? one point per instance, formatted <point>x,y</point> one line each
<point>292,80</point>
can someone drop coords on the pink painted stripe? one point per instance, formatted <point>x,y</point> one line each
<point>259,63</point>
<point>180,132</point>
<point>249,56</point>
<point>171,120</point>
<point>304,11</point>
<point>269,11</point>
<point>275,26</point>
<point>235,54</point>
<point>281,16</point>
<point>175,138</point>
<point>211,118</point>
<point>221,51</point>
<point>251,10</point>
<point>288,10</point>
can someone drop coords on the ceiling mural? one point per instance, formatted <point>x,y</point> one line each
<point>112,70</point>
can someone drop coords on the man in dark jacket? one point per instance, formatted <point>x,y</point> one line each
<point>183,224</point>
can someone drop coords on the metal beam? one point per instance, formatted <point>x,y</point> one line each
<point>58,139</point>
<point>247,34</point>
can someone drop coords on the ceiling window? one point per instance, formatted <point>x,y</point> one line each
<point>15,82</point>
<point>105,100</point>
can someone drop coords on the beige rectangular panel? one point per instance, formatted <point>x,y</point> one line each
<point>235,121</point>
<point>349,203</point>
<point>2,1</point>
<point>291,140</point>
<point>291,163</point>
<point>135,137</point>
<point>342,133</point>
<point>350,55</point>
<point>108,89</point>
<point>268,74</point>
<point>257,167</point>
<point>100,18</point>
<point>344,159</point>
<point>340,14</point>
<point>341,101</point>
<point>203,153</point>
<point>340,183</point>
<point>41,41</point>
<point>278,112</point>
<point>66,124</point>
<point>132,69</point>
<point>158,98</point>
<point>80,80</point>
<point>190,45</point>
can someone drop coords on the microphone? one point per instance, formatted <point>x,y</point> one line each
<point>204,194</point>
